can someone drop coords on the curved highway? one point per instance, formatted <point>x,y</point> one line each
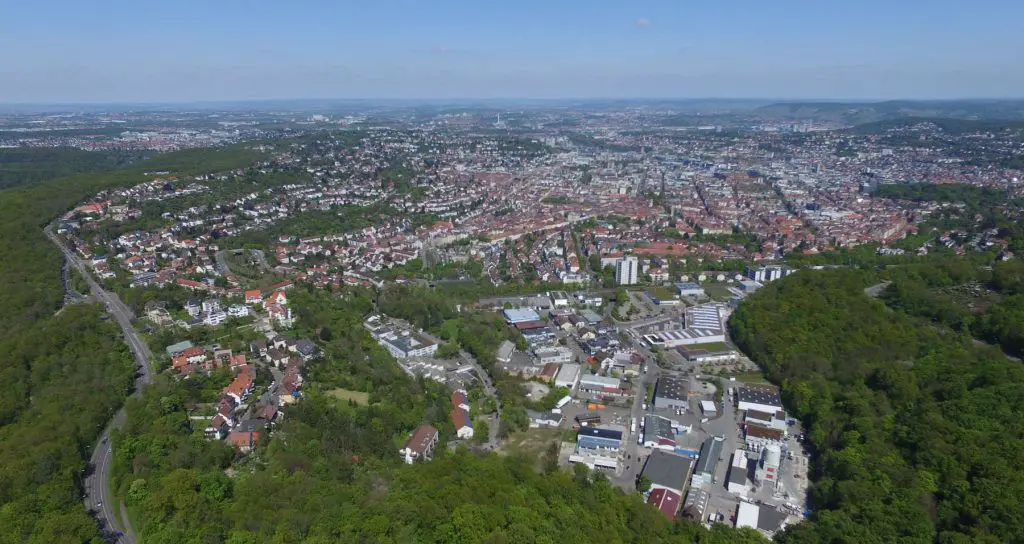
<point>98,498</point>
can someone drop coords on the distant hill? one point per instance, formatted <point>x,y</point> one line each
<point>949,125</point>
<point>857,113</point>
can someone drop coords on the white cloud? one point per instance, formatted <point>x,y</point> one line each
<point>643,22</point>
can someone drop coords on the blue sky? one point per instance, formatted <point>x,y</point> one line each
<point>185,50</point>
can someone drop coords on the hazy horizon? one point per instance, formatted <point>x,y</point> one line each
<point>186,52</point>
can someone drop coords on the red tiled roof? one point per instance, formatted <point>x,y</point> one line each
<point>194,351</point>
<point>421,438</point>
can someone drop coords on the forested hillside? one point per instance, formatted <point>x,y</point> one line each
<point>28,165</point>
<point>917,432</point>
<point>63,375</point>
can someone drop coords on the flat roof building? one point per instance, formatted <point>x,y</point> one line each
<point>671,392</point>
<point>521,315</point>
<point>762,399</point>
<point>690,289</point>
<point>593,383</point>
<point>707,407</point>
<point>505,351</point>
<point>568,376</point>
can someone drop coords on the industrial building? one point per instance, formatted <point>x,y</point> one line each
<point>767,472</point>
<point>710,454</point>
<point>560,299</point>
<point>761,399</point>
<point>702,325</point>
<point>765,519</point>
<point>597,447</point>
<point>658,433</point>
<point>505,351</point>
<point>759,437</point>
<point>690,289</point>
<point>738,472</point>
<point>667,471</point>
<point>601,385</point>
<point>775,420</point>
<point>671,393</point>
<point>695,504</point>
<point>520,315</point>
<point>568,376</point>
<point>707,407</point>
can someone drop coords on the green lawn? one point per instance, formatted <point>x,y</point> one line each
<point>752,377</point>
<point>358,397</point>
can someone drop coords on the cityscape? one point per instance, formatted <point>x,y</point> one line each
<point>505,287</point>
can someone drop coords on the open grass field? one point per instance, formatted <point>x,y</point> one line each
<point>358,397</point>
<point>532,442</point>
<point>754,378</point>
<point>717,291</point>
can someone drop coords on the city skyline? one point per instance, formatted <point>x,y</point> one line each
<point>191,52</point>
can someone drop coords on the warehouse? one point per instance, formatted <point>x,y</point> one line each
<point>765,519</point>
<point>658,433</point>
<point>667,471</point>
<point>568,376</point>
<point>762,399</point>
<point>707,407</point>
<point>702,325</point>
<point>758,437</point>
<point>689,289</point>
<point>738,472</point>
<point>604,385</point>
<point>560,299</point>
<point>710,454</point>
<point>597,447</point>
<point>671,393</point>
<point>520,315</point>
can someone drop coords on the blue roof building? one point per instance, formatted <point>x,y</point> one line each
<point>521,315</point>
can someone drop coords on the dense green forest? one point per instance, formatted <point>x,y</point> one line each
<point>969,295</point>
<point>916,432</point>
<point>27,165</point>
<point>63,374</point>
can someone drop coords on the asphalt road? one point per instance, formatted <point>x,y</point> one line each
<point>98,498</point>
